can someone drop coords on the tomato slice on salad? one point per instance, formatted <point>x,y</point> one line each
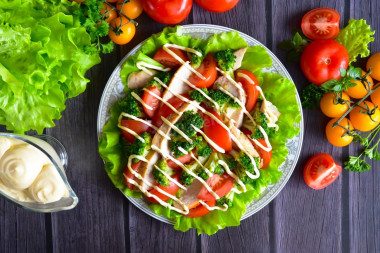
<point>200,210</point>
<point>151,100</point>
<point>165,110</point>
<point>171,189</point>
<point>185,159</point>
<point>321,23</point>
<point>135,126</point>
<point>129,174</point>
<point>220,184</point>
<point>216,132</point>
<point>249,88</point>
<point>169,61</point>
<point>206,69</point>
<point>321,171</point>
<point>265,155</point>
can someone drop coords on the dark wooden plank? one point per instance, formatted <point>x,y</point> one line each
<point>364,189</point>
<point>238,239</point>
<point>306,220</point>
<point>97,223</point>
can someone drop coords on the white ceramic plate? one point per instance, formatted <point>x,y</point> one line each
<point>114,91</point>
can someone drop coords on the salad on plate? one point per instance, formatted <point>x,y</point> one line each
<point>202,128</point>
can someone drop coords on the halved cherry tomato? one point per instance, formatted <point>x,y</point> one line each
<point>185,159</point>
<point>249,87</point>
<point>265,155</point>
<point>217,5</point>
<point>321,60</point>
<point>169,61</point>
<point>151,100</point>
<point>216,132</point>
<point>165,110</point>
<point>220,184</point>
<point>320,171</point>
<point>129,174</point>
<point>321,23</point>
<point>171,189</point>
<point>206,69</point>
<point>135,126</point>
<point>200,210</point>
<point>168,11</point>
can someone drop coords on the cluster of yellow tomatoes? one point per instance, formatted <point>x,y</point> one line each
<point>364,117</point>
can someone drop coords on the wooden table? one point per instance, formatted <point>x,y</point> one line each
<point>344,217</point>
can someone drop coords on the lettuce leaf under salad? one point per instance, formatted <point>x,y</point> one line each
<point>279,90</point>
<point>43,61</point>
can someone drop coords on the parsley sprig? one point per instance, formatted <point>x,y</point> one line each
<point>294,47</point>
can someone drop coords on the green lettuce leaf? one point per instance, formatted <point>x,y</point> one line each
<point>278,90</point>
<point>355,37</point>
<point>42,62</point>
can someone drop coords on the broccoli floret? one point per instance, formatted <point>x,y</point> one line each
<point>141,148</point>
<point>130,105</point>
<point>260,120</point>
<point>230,161</point>
<point>195,59</point>
<point>165,77</point>
<point>226,60</point>
<point>184,124</point>
<point>224,200</point>
<point>244,164</point>
<point>175,144</point>
<point>203,149</point>
<point>223,100</point>
<point>186,178</point>
<point>197,96</point>
<point>159,176</point>
<point>200,172</point>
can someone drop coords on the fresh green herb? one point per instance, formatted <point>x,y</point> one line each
<point>311,95</point>
<point>294,46</point>
<point>347,76</point>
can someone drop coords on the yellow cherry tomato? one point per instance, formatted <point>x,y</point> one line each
<point>375,96</point>
<point>108,12</point>
<point>131,9</point>
<point>361,120</point>
<point>337,135</point>
<point>374,63</point>
<point>121,31</point>
<point>359,90</point>
<point>112,1</point>
<point>331,107</point>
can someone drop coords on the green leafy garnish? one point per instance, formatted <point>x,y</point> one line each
<point>294,46</point>
<point>311,95</point>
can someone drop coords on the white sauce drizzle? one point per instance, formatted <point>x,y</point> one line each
<point>166,48</point>
<point>163,101</point>
<point>268,145</point>
<point>167,122</point>
<point>219,149</point>
<point>141,101</point>
<point>209,173</point>
<point>129,130</point>
<point>224,208</point>
<point>143,66</point>
<point>170,178</point>
<point>231,80</point>
<point>237,179</point>
<point>187,49</point>
<point>183,151</point>
<point>270,116</point>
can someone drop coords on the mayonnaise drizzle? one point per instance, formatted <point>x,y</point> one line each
<point>129,130</point>
<point>141,101</point>
<point>163,101</point>
<point>231,80</point>
<point>166,48</point>
<point>167,122</point>
<point>187,49</point>
<point>170,178</point>
<point>268,145</point>
<point>143,190</point>
<point>143,66</point>
<point>229,172</point>
<point>146,123</point>
<point>224,208</point>
<point>209,173</point>
<point>211,142</point>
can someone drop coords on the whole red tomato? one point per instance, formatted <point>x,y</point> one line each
<point>168,12</point>
<point>322,60</point>
<point>217,5</point>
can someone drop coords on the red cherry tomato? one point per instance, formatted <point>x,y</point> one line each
<point>320,171</point>
<point>217,5</point>
<point>322,60</point>
<point>135,126</point>
<point>171,189</point>
<point>216,132</point>
<point>128,174</point>
<point>208,70</point>
<point>249,88</point>
<point>321,23</point>
<point>220,184</point>
<point>165,110</point>
<point>185,159</point>
<point>200,210</point>
<point>169,61</point>
<point>151,100</point>
<point>168,12</point>
<point>265,155</point>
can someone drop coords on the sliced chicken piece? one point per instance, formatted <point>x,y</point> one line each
<point>190,196</point>
<point>138,80</point>
<point>160,141</point>
<point>243,140</point>
<point>239,57</point>
<point>271,109</point>
<point>236,115</point>
<point>145,170</point>
<point>176,84</point>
